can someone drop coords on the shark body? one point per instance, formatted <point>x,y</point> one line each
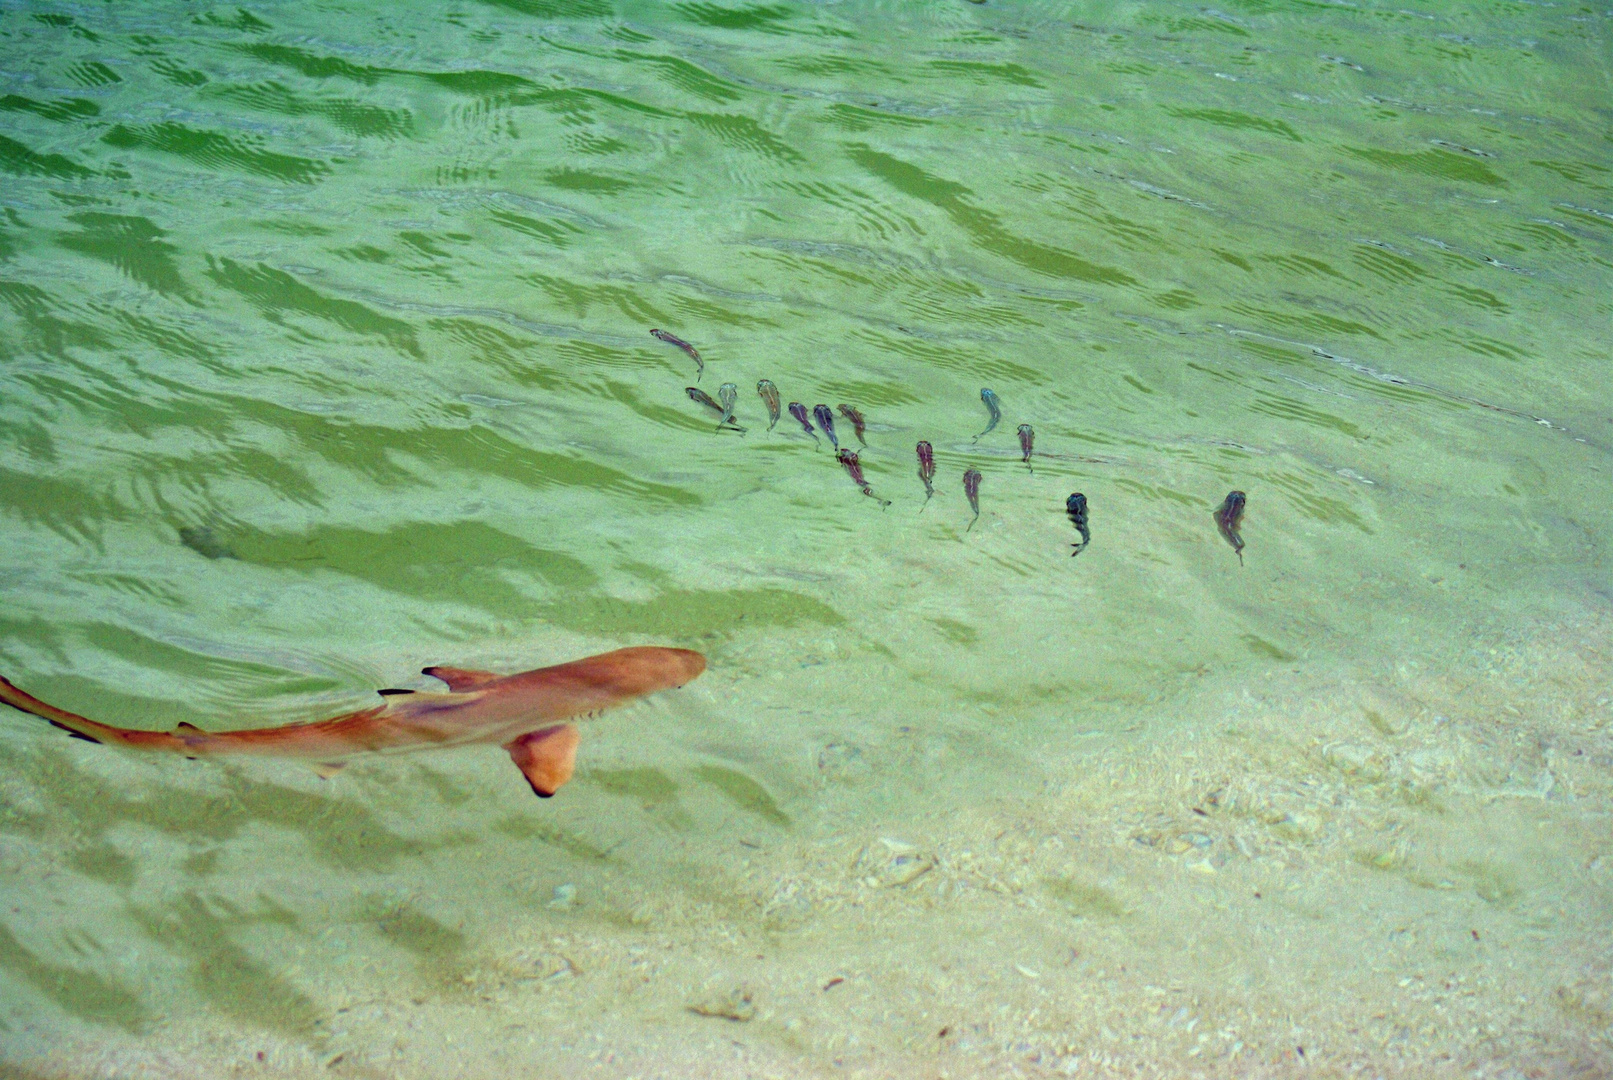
<point>525,714</point>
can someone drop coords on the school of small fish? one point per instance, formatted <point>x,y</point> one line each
<point>1228,517</point>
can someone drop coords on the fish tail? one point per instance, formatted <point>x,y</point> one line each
<point>82,727</point>
<point>78,726</point>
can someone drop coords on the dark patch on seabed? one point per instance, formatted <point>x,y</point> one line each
<point>85,994</point>
<point>224,975</point>
<point>80,809</point>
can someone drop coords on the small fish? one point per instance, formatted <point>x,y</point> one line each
<point>1076,507</point>
<point>826,420</point>
<point>798,411</point>
<point>854,469</point>
<point>971,489</point>
<point>926,454</point>
<point>697,394</point>
<point>857,421</point>
<point>203,541</point>
<point>1027,439</point>
<point>1228,516</point>
<point>770,398</point>
<point>673,339</point>
<point>728,395</point>
<point>994,407</point>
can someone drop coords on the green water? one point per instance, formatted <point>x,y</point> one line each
<point>324,355</point>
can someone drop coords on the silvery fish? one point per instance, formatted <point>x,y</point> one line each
<point>697,394</point>
<point>673,339</point>
<point>798,411</point>
<point>826,421</point>
<point>994,407</point>
<point>857,421</point>
<point>1228,516</point>
<point>971,489</point>
<point>728,395</point>
<point>770,398</point>
<point>1076,507</point>
<point>926,455</point>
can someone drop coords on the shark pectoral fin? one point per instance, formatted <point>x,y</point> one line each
<point>545,757</point>
<point>459,679</point>
<point>328,769</point>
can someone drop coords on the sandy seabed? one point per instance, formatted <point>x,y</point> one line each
<point>1344,872</point>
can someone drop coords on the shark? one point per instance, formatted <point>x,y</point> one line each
<point>526,714</point>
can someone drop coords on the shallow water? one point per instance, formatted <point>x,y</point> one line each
<point>326,356</point>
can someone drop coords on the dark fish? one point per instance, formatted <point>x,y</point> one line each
<point>728,395</point>
<point>798,411</point>
<point>994,407</point>
<point>697,394</point>
<point>1228,516</point>
<point>1076,507</point>
<point>673,339</point>
<point>971,488</point>
<point>770,398</point>
<point>857,421</point>
<point>854,469</point>
<point>926,470</point>
<point>203,541</point>
<point>826,420</point>
<point>1027,439</point>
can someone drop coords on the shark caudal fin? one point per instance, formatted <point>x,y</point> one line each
<point>459,679</point>
<point>545,757</point>
<point>80,727</point>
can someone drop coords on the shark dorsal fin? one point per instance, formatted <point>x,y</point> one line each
<point>185,727</point>
<point>459,679</point>
<point>545,757</point>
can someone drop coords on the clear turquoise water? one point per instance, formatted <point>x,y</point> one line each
<point>325,355</point>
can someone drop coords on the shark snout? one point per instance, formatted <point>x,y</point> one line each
<point>647,669</point>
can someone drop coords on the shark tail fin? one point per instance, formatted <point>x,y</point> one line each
<point>80,727</point>
<point>459,679</point>
<point>546,757</point>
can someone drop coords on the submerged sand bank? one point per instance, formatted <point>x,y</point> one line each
<point>1376,870</point>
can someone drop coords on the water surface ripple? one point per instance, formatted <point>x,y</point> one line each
<point>325,354</point>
